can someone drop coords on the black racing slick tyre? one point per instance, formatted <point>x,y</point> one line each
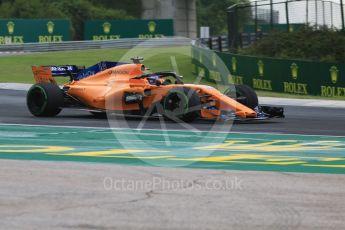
<point>44,100</point>
<point>181,103</point>
<point>245,95</point>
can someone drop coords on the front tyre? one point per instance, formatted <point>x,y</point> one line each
<point>244,95</point>
<point>44,100</point>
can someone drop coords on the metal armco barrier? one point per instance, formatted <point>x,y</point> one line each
<point>275,75</point>
<point>80,45</point>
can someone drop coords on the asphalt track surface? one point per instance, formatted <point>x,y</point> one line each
<point>64,195</point>
<point>299,120</point>
<point>69,195</point>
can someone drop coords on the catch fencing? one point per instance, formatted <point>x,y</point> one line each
<point>251,21</point>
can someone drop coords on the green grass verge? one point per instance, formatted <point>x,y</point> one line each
<point>18,68</point>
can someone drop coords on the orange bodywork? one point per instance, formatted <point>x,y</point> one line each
<point>105,90</point>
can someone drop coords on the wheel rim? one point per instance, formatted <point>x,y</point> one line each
<point>37,100</point>
<point>176,104</point>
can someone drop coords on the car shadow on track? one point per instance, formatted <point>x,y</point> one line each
<point>138,119</point>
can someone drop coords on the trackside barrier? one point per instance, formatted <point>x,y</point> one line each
<point>219,43</point>
<point>81,45</point>
<point>275,75</point>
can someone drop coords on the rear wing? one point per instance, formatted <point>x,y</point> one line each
<point>43,74</point>
<point>46,74</point>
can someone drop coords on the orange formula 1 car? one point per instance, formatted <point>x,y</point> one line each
<point>128,89</point>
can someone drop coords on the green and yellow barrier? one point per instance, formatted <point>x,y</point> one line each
<point>276,75</point>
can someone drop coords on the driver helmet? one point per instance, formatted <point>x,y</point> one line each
<point>153,79</point>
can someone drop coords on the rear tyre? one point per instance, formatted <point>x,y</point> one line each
<point>244,95</point>
<point>181,103</point>
<point>44,100</point>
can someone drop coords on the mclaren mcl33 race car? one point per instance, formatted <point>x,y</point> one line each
<point>128,89</point>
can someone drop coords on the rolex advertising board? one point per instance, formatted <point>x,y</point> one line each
<point>116,29</point>
<point>277,75</point>
<point>17,31</point>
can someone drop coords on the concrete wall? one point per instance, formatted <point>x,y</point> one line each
<point>183,12</point>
